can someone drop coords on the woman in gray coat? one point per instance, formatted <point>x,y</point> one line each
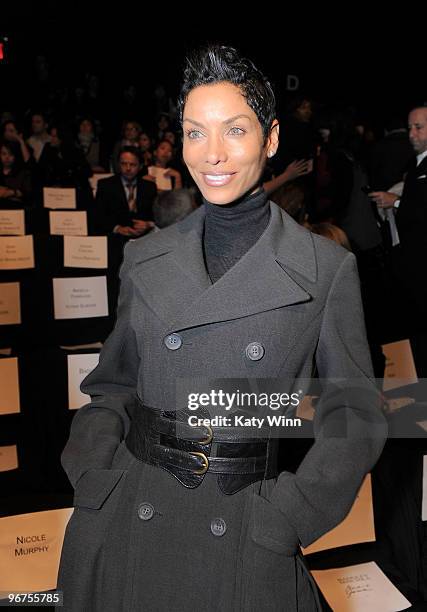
<point>176,514</point>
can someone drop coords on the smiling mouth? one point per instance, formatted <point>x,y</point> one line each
<point>218,180</point>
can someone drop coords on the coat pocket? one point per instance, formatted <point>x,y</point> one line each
<point>269,528</point>
<point>94,487</point>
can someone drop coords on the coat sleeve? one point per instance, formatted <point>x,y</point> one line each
<point>349,425</point>
<point>98,427</point>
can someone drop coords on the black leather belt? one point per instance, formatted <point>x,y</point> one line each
<point>168,441</point>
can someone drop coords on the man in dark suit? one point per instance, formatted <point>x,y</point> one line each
<point>410,254</point>
<point>124,202</point>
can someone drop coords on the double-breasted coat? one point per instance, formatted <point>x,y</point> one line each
<point>138,539</point>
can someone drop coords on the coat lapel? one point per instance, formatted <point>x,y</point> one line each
<point>173,279</point>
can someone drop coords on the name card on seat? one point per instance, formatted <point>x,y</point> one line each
<point>12,222</point>
<point>359,588</point>
<point>59,197</point>
<point>10,304</point>
<point>400,366</point>
<point>16,252</point>
<point>79,298</point>
<point>30,549</point>
<point>85,252</point>
<point>73,223</point>
<point>357,527</point>
<point>8,458</point>
<point>9,386</point>
<point>79,366</point>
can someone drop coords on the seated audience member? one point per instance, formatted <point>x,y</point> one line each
<point>290,198</point>
<point>124,202</point>
<point>39,134</point>
<point>145,144</point>
<point>15,178</point>
<point>13,133</point>
<point>88,142</point>
<point>61,163</point>
<point>172,206</point>
<point>293,171</point>
<point>131,131</point>
<point>333,232</point>
<point>163,155</point>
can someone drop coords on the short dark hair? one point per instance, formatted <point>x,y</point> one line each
<point>172,206</point>
<point>217,63</point>
<point>136,152</point>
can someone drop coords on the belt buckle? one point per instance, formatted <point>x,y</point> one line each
<point>205,467</point>
<point>209,436</point>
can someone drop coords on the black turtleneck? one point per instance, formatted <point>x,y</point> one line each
<point>231,229</point>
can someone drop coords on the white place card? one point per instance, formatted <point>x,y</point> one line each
<point>8,458</point>
<point>97,177</point>
<point>162,182</point>
<point>79,298</point>
<point>357,527</point>
<point>424,502</point>
<point>30,549</point>
<point>9,386</point>
<point>79,366</point>
<point>10,304</point>
<point>12,222</point>
<point>72,223</point>
<point>85,252</point>
<point>16,252</point>
<point>400,366</point>
<point>59,197</point>
<point>360,588</point>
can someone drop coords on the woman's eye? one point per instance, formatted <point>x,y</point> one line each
<point>194,134</point>
<point>236,131</point>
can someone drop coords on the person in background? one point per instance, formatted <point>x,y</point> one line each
<point>15,177</point>
<point>131,131</point>
<point>161,172</point>
<point>88,142</point>
<point>39,134</point>
<point>172,206</point>
<point>145,144</point>
<point>12,132</point>
<point>62,164</point>
<point>124,202</point>
<point>333,232</point>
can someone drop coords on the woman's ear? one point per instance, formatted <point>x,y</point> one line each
<point>273,139</point>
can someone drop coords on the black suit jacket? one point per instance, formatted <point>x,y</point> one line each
<point>112,206</point>
<point>411,216</point>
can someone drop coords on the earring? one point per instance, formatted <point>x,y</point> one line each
<point>270,153</point>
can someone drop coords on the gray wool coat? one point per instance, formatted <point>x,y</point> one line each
<point>295,293</point>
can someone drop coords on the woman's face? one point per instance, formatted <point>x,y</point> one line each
<point>6,157</point>
<point>86,127</point>
<point>54,138</point>
<point>131,131</point>
<point>10,131</point>
<point>224,146</point>
<point>164,152</point>
<point>144,142</point>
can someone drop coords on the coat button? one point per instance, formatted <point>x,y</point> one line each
<point>173,342</point>
<point>145,511</point>
<point>255,351</point>
<point>218,527</point>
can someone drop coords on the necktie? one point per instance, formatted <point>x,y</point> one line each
<point>131,196</point>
